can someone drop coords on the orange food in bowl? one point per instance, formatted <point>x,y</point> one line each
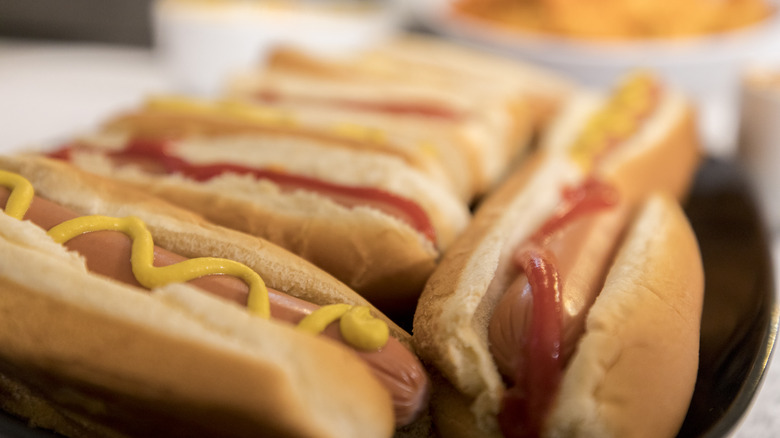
<point>618,19</point>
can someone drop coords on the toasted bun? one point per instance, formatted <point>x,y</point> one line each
<point>326,127</point>
<point>379,256</point>
<point>635,367</point>
<point>98,351</point>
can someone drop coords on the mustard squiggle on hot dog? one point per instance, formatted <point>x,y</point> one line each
<point>142,258</point>
<point>357,326</point>
<point>22,193</point>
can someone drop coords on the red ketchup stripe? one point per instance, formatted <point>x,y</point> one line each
<point>400,108</point>
<point>536,380</point>
<point>155,152</point>
<point>397,108</point>
<point>63,153</point>
<point>525,404</point>
<point>591,196</point>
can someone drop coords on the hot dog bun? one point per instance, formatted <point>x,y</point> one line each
<point>544,90</point>
<point>180,116</point>
<point>451,326</point>
<point>173,372</point>
<point>377,254</point>
<point>407,85</point>
<point>635,367</point>
<point>104,355</point>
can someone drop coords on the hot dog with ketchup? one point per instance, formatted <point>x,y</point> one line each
<point>483,108</point>
<point>367,218</point>
<point>88,312</point>
<point>571,305</point>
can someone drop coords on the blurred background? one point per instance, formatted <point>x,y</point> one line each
<point>110,21</point>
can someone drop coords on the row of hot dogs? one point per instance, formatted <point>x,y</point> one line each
<point>531,230</point>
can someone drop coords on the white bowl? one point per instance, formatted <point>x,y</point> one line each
<point>202,42</point>
<point>707,68</point>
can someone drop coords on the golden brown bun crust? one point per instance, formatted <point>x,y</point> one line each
<point>183,361</point>
<point>635,368</point>
<point>668,166</point>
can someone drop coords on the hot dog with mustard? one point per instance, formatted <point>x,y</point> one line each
<point>127,242</point>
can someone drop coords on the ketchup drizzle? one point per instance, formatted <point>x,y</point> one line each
<point>398,108</point>
<point>156,153</point>
<point>591,196</point>
<point>536,381</point>
<point>524,405</point>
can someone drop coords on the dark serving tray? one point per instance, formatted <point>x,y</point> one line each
<point>740,319</point>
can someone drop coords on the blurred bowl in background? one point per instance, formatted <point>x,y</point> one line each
<point>707,67</point>
<point>201,42</point>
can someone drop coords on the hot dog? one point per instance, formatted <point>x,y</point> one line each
<point>367,218</point>
<point>571,305</point>
<point>386,375</point>
<point>176,116</point>
<point>409,85</point>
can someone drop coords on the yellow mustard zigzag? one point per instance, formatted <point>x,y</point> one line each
<point>357,326</point>
<point>616,120</point>
<point>142,258</point>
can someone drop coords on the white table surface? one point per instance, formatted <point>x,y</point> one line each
<point>49,91</point>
